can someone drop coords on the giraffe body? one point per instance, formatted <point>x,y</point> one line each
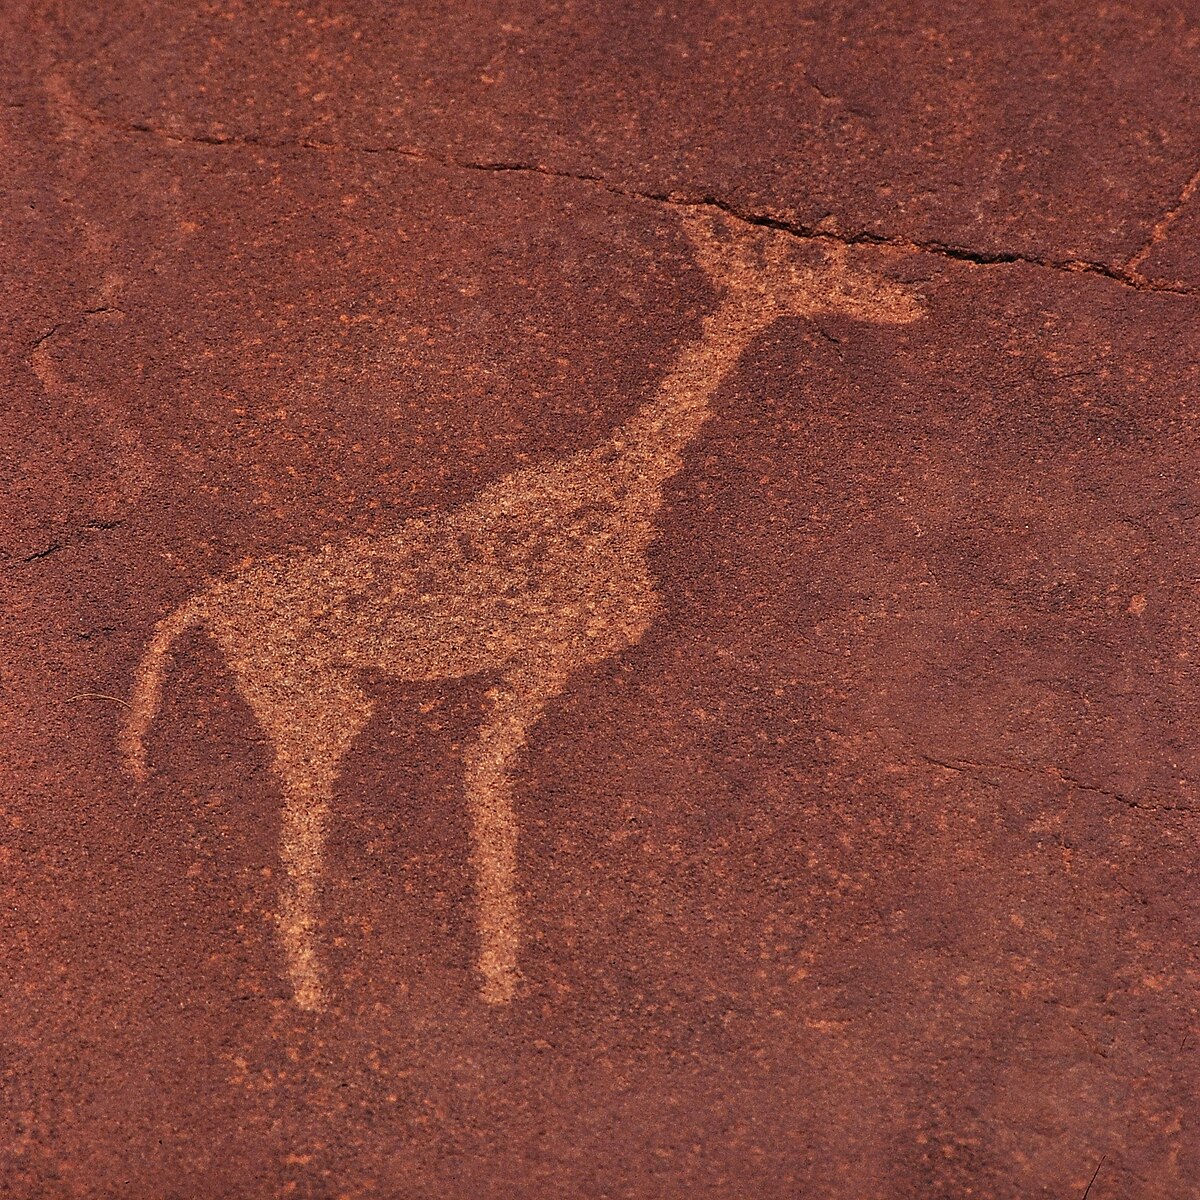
<point>530,568</point>
<point>543,573</point>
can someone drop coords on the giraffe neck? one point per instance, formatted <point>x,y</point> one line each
<point>651,443</point>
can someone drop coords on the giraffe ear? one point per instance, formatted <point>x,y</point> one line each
<point>722,251</point>
<point>863,294</point>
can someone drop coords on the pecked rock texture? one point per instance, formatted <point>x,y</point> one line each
<point>870,868</point>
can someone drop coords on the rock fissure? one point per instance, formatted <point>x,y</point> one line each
<point>1128,276</point>
<point>983,771</point>
<point>13,561</point>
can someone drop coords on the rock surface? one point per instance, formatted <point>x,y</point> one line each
<point>871,869</point>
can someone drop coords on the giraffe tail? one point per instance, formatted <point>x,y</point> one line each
<point>147,692</point>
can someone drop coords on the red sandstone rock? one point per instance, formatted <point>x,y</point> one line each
<point>871,869</point>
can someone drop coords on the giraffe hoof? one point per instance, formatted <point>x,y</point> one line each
<point>308,997</point>
<point>500,987</point>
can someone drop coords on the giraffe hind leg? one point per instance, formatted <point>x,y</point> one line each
<point>312,725</point>
<point>302,839</point>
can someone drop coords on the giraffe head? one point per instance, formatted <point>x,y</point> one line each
<point>757,266</point>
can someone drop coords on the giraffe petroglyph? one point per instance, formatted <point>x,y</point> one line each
<point>542,573</point>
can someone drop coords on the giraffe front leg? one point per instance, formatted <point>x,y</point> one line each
<point>514,708</point>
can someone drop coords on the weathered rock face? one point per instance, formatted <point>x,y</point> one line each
<point>870,867</point>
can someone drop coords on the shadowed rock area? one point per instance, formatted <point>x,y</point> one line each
<point>777,424</point>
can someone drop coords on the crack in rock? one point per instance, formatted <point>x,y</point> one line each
<point>981,770</point>
<point>72,539</point>
<point>1127,276</point>
<point>58,326</point>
